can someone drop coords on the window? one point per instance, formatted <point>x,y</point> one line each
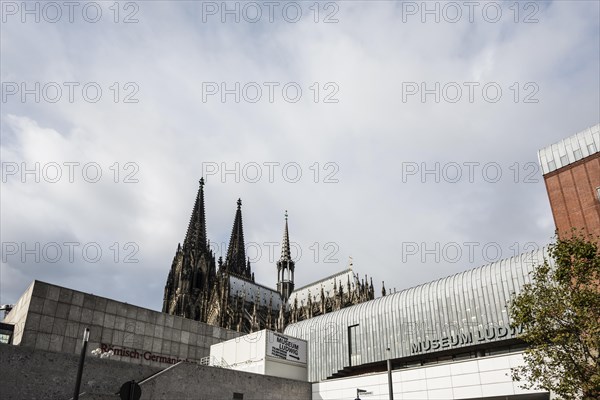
<point>6,333</point>
<point>598,193</point>
<point>354,344</point>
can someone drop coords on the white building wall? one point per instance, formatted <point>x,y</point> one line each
<point>18,315</point>
<point>245,353</point>
<point>259,353</point>
<point>482,377</point>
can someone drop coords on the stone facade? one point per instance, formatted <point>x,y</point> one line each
<point>49,317</point>
<point>225,294</point>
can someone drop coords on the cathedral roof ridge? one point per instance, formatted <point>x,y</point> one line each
<point>343,272</point>
<point>248,281</point>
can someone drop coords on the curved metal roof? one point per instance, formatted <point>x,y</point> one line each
<point>456,311</point>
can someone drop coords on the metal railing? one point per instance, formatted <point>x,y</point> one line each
<point>213,361</point>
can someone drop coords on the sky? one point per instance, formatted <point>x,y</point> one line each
<point>401,137</point>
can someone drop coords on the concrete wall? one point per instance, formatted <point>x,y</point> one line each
<point>477,378</point>
<point>35,374</point>
<point>50,317</point>
<point>193,381</point>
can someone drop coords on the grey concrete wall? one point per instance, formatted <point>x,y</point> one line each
<point>50,317</point>
<point>193,381</point>
<point>35,374</point>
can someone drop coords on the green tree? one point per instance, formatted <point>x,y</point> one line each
<point>560,315</point>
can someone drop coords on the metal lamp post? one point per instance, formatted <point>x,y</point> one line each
<point>389,371</point>
<point>86,337</point>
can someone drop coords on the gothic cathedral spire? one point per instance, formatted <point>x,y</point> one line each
<point>196,232</point>
<point>235,261</point>
<point>285,265</point>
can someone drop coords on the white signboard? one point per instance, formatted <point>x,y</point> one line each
<point>286,348</point>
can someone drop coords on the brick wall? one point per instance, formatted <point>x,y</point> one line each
<point>573,198</point>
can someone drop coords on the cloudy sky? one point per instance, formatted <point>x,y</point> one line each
<point>402,135</point>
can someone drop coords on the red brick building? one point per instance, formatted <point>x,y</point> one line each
<point>571,171</point>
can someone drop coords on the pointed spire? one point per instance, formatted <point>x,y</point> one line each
<point>196,232</point>
<point>285,265</point>
<point>285,244</point>
<point>236,255</point>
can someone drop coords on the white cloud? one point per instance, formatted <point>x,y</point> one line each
<point>368,214</point>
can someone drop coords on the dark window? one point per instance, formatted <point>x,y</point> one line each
<point>6,333</point>
<point>238,396</point>
<point>354,345</point>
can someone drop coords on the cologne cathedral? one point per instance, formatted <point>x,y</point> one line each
<point>224,292</point>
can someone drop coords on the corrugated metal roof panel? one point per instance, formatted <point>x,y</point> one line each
<point>409,323</point>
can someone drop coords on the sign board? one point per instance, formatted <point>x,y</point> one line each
<point>286,348</point>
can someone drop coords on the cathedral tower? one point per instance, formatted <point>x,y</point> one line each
<point>193,269</point>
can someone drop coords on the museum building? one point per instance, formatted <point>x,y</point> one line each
<point>449,338</point>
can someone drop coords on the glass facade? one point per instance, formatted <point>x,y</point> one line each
<point>462,310</point>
